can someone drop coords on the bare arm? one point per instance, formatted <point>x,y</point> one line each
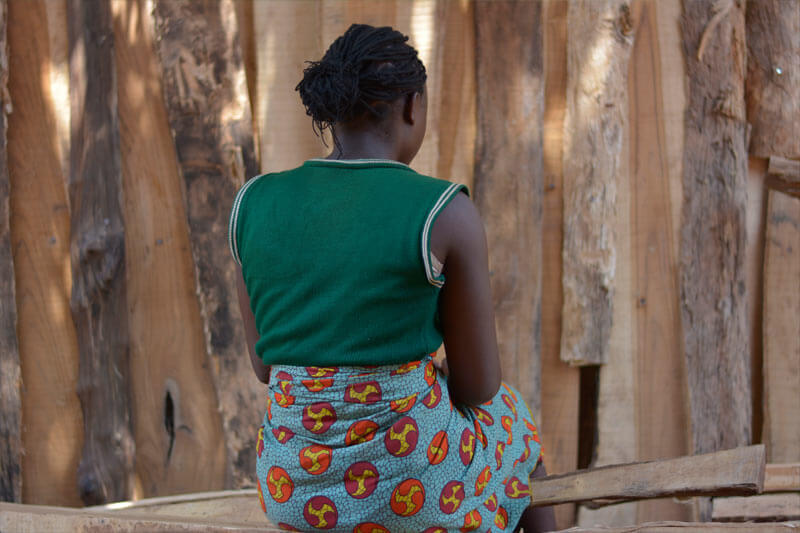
<point>465,304</point>
<point>250,330</point>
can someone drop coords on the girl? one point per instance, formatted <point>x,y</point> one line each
<point>354,270</point>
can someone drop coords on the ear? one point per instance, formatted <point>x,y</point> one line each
<point>411,105</point>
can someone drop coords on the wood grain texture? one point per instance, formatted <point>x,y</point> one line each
<point>782,477</point>
<point>787,169</point>
<point>560,381</point>
<point>52,432</point>
<point>508,179</point>
<point>765,507</point>
<point>660,369</point>
<point>168,358</point>
<point>598,49</point>
<point>209,114</point>
<point>773,79</point>
<point>17,518</point>
<point>712,253</point>
<point>739,471</point>
<point>97,250</point>
<point>781,329</point>
<point>10,375</point>
<point>677,527</point>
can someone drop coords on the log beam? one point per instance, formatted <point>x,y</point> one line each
<point>99,302</point>
<point>712,256</point>
<point>598,49</point>
<point>209,114</point>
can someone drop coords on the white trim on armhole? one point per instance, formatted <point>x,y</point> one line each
<point>233,223</point>
<point>435,278</point>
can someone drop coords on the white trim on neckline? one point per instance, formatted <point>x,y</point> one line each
<point>356,161</point>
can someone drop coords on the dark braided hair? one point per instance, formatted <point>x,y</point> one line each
<point>362,70</point>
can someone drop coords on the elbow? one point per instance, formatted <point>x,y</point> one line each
<point>475,395</point>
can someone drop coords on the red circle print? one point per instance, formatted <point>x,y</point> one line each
<point>408,497</point>
<point>361,479</point>
<point>401,439</point>
<point>320,512</point>
<point>318,417</point>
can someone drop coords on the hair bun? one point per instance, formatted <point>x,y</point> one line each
<point>329,90</point>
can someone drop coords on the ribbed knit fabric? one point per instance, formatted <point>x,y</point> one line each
<point>336,259</point>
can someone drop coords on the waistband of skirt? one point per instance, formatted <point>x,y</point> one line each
<point>388,381</point>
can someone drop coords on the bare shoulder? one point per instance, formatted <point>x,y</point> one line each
<point>458,228</point>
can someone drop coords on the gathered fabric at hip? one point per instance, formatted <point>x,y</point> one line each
<point>384,449</point>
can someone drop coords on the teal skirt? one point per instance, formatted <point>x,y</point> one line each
<point>384,449</point>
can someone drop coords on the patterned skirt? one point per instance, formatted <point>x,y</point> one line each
<point>383,448</point>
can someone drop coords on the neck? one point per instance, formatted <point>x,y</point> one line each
<point>365,144</point>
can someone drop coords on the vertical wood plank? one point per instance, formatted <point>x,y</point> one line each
<point>508,179</point>
<point>52,433</point>
<point>97,250</point>
<point>660,393</point>
<point>10,376</point>
<point>209,114</point>
<point>174,404</point>
<point>782,329</point>
<point>773,79</point>
<point>598,48</point>
<point>712,273</point>
<point>560,381</point>
<point>284,130</point>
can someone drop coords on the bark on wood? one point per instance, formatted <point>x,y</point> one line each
<point>209,113</point>
<point>598,49</point>
<point>10,404</point>
<point>766,507</point>
<point>174,404</point>
<point>560,381</point>
<point>712,276</point>
<point>508,179</point>
<point>40,235</point>
<point>773,79</point>
<point>782,477</point>
<point>99,304</point>
<point>17,518</point>
<point>781,328</point>
<point>739,471</point>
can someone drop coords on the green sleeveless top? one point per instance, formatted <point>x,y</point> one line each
<point>337,262</point>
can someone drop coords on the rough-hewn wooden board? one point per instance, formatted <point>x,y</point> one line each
<point>660,382</point>
<point>773,79</point>
<point>52,420</point>
<point>17,518</point>
<point>239,506</point>
<point>598,48</point>
<point>781,329</point>
<point>209,113</point>
<point>168,363</point>
<point>508,179</point>
<point>677,527</point>
<point>788,169</point>
<point>560,381</point>
<point>739,471</point>
<point>765,507</point>
<point>781,477</point>
<point>97,250</point>
<point>10,376</point>
<point>712,273</point>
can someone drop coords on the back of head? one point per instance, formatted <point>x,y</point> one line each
<point>362,70</point>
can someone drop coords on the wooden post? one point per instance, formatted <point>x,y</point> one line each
<point>712,276</point>
<point>560,381</point>
<point>99,303</point>
<point>598,48</point>
<point>209,113</point>
<point>40,235</point>
<point>781,328</point>
<point>508,178</point>
<point>10,378</point>
<point>174,404</point>
<point>773,79</point>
